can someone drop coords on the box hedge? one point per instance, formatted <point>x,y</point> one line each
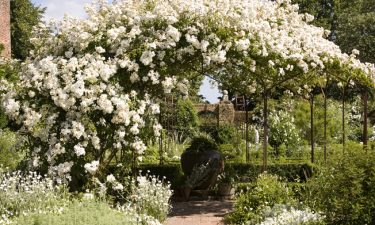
<point>244,172</point>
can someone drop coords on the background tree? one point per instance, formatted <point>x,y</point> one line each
<point>355,28</point>
<point>350,22</point>
<point>23,17</point>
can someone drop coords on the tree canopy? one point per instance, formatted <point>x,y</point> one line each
<point>23,17</point>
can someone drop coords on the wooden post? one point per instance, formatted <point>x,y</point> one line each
<point>247,132</point>
<point>343,118</point>
<point>312,127</point>
<point>265,129</point>
<point>325,125</point>
<point>365,109</point>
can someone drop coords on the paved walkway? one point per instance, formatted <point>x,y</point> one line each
<point>199,212</point>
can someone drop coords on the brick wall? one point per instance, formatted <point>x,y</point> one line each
<point>5,27</point>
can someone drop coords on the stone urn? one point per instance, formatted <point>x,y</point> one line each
<point>203,152</point>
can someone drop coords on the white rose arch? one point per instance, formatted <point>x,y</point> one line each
<point>90,87</point>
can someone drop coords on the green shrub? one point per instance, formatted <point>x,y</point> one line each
<point>344,189</point>
<point>9,157</point>
<point>152,154</point>
<point>79,213</point>
<point>170,172</point>
<point>225,134</point>
<point>201,144</point>
<point>244,172</point>
<point>267,192</point>
<point>229,152</point>
<point>187,120</point>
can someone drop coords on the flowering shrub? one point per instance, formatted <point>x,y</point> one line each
<point>90,87</point>
<point>149,199</point>
<point>23,194</point>
<point>283,130</point>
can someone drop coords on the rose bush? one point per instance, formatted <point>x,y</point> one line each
<point>90,89</point>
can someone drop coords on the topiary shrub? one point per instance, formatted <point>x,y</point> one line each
<point>201,144</point>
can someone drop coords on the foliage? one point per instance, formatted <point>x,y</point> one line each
<point>302,116</point>
<point>226,137</point>
<point>152,154</point>
<point>28,193</point>
<point>79,213</point>
<point>230,152</point>
<point>201,144</point>
<point>267,192</point>
<point>343,189</point>
<point>354,28</point>
<point>187,120</point>
<point>9,155</point>
<point>23,17</point>
<point>225,134</point>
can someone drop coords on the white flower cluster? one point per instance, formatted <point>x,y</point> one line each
<point>293,216</point>
<point>117,186</point>
<point>28,193</point>
<point>90,85</point>
<point>150,197</point>
<point>92,167</point>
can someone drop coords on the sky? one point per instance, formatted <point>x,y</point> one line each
<point>56,9</point>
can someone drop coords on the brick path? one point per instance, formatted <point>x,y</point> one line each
<point>199,212</point>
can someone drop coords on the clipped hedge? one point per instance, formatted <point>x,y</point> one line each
<point>291,171</point>
<point>244,172</point>
<point>170,172</point>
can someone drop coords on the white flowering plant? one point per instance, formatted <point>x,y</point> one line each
<point>90,87</point>
<point>283,131</point>
<point>150,196</point>
<point>288,215</point>
<point>29,193</point>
